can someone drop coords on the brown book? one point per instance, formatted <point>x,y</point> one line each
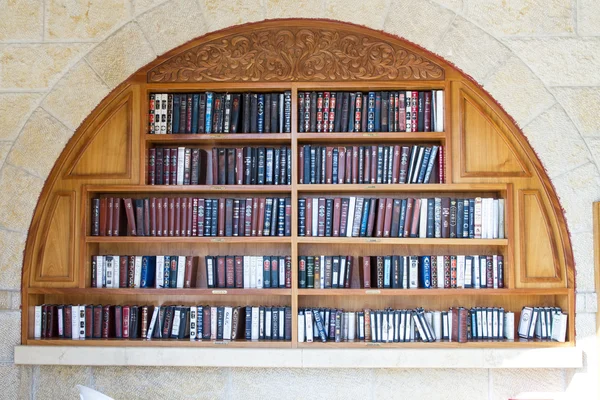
<point>221,273</point>
<point>344,216</point>
<point>301,165</point>
<point>131,228</point>
<point>248,217</point>
<point>106,322</point>
<point>261,216</point>
<point>229,271</point>
<point>367,325</point>
<point>123,262</point>
<point>188,229</point>
<point>329,165</point>
<point>231,163</point>
<point>171,216</point>
<point>206,333</point>
<point>416,215</point>
<point>103,215</point>
<point>239,272</point>
<point>309,221</point>
<point>236,322</point>
<point>337,210</point>
<point>349,163</point>
<point>371,217</point>
<point>144,330</point>
<point>131,272</point>
<point>97,322</point>
<point>354,164</point>
<point>447,273</point>
<point>380,218</point>
<point>463,317</point>
<point>221,218</point>
<point>189,272</point>
<point>453,315</point>
<point>89,320</point>
<point>67,322</point>
<point>177,216</point>
<point>109,218</point>
<point>365,272</point>
<point>239,166</point>
<point>159,216</point>
<point>215,165</point>
<point>166,216</point>
<point>445,217</point>
<point>321,217</point>
<point>184,217</point>
<point>341,165</point>
<point>153,216</point>
<point>396,164</point>
<point>146,217</point>
<point>367,165</point>
<point>408,217</point>
<point>126,311</point>
<point>404,160</point>
<point>373,164</point>
<point>387,221</point>
<point>116,225</point>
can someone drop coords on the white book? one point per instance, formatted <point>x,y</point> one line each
<point>116,271</point>
<point>254,326</point>
<point>413,273</point>
<point>500,218</point>
<point>315,216</point>
<point>176,322</point>
<point>440,272</point>
<point>439,111</point>
<point>415,171</point>
<point>180,271</point>
<point>137,272</point>
<point>281,323</point>
<point>163,112</point>
<point>281,112</point>
<point>351,326</point>
<point>402,327</point>
<point>268,319</point>
<point>490,322</point>
<point>281,271</point>
<point>495,216</point>
<point>482,272</point>
<point>468,272</point>
<point>477,215</point>
<point>61,327</point>
<point>253,272</point>
<point>342,274</point>
<point>476,273</point>
<point>37,327</point>
<point>74,322</point>
<point>108,267</point>
<point>436,323</point>
<point>406,262</point>
<point>495,324</point>
<point>227,322</point>
<point>193,322</point>
<point>350,222</point>
<point>160,272</point>
<point>261,322</point>
<point>423,219</point>
<point>460,271</point>
<point>559,327</point>
<point>509,325</point>
<point>213,323</point>
<point>384,326</point>
<point>99,271</point>
<point>495,270</point>
<point>259,272</point>
<point>480,323</point>
<point>246,272</point>
<point>153,321</point>
<point>82,321</point>
<point>490,218</point>
<point>450,325</point>
<point>411,327</point>
<point>309,325</point>
<point>180,164</point>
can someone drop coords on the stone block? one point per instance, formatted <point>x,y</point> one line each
<point>591,302</point>
<point>36,66</point>
<point>557,142</point>
<point>582,105</point>
<point>518,90</point>
<point>51,382</point>
<point>509,383</point>
<point>21,20</point>
<point>121,54</point>
<point>16,301</point>
<point>471,49</point>
<point>585,325</point>
<point>559,61</point>
<point>588,17</point>
<point>295,9</point>
<point>83,19</point>
<point>133,383</point>
<point>17,199</point>
<point>580,302</point>
<point>65,100</point>
<point>16,381</point>
<point>371,13</point>
<point>583,252</point>
<point>172,24</point>
<point>413,28</point>
<point>11,259</point>
<point>4,149</point>
<point>140,6</point>
<point>221,14</point>
<point>10,329</point>
<point>454,5</point>
<point>15,109</point>
<point>40,143</point>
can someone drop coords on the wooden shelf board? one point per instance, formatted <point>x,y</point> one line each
<point>433,292</point>
<point>159,343</point>
<point>262,189</point>
<point>439,344</point>
<point>429,187</point>
<point>162,292</point>
<point>220,138</point>
<point>198,239</point>
<point>403,241</point>
<point>356,137</point>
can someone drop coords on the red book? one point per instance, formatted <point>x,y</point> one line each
<point>261,216</point>
<point>206,323</point>
<point>195,217</point>
<point>365,274</point>
<point>106,322</point>
<point>184,219</point>
<point>146,217</point>
<point>152,166</point>
<point>89,320</point>
<point>387,220</point>
<point>427,112</point>
<point>408,216</point>
<point>380,218</point>
<point>153,216</point>
<point>116,216</point>
<point>215,166</point>
<point>371,218</point>
<point>288,271</point>
<point>109,218</point>
<point>337,211</point>
<point>97,322</point>
<point>189,217</point>
<point>67,323</point>
<point>416,214</point>
<point>221,218</point>
<point>354,164</point>
<point>309,221</point>
<point>367,165</point>
<point>454,272</point>
<point>174,166</point>
<point>187,281</point>
<point>239,272</point>
<point>177,212</point>
<point>221,272</point>
<point>441,165</point>
<point>123,262</point>
<point>396,164</point>
<point>103,215</point>
<point>239,166</point>
<point>159,216</point>
<point>118,322</point>
<point>349,171</point>
<point>329,165</point>
<point>171,216</point>
<point>126,316</point>
<point>341,165</point>
<point>131,227</point>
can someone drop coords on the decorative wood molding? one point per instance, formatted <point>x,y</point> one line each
<point>296,54</point>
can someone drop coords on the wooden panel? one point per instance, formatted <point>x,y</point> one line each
<point>485,147</point>
<point>55,258</point>
<point>107,152</point>
<point>538,249</point>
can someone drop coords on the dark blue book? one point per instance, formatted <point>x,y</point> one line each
<point>174,265</point>
<point>387,271</point>
<point>396,277</point>
<point>167,272</point>
<point>248,322</point>
<point>266,272</point>
<point>365,218</point>
<point>200,322</point>
<point>425,272</point>
<point>319,323</point>
<point>460,215</point>
<point>335,166</point>
<point>471,218</point>
<point>430,218</point>
<point>260,106</point>
<point>402,217</point>
<point>195,101</point>
<point>378,112</point>
<point>207,217</point>
<point>208,115</point>
<point>176,110</point>
<point>215,215</point>
<point>431,164</point>
<point>466,218</point>
<point>275,271</point>
<point>371,112</point>
<point>148,271</point>
<point>424,164</point>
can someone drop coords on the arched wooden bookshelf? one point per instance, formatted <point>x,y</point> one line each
<point>486,154</point>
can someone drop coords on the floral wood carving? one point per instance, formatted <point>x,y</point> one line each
<point>295,54</point>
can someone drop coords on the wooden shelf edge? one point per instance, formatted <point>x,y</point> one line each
<point>434,292</point>
<point>162,292</point>
<point>439,344</point>
<point>369,136</point>
<point>219,137</point>
<point>262,189</point>
<point>187,239</point>
<point>428,187</point>
<point>160,343</point>
<point>402,241</point>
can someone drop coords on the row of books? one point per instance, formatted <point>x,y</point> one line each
<point>543,323</point>
<point>458,324</point>
<point>248,272</point>
<point>211,112</point>
<point>402,272</point>
<point>478,218</point>
<point>371,164</point>
<point>220,166</point>
<point>183,216</point>
<point>126,271</point>
<point>162,322</point>
<point>386,111</point>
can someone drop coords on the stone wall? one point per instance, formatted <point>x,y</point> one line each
<point>58,58</point>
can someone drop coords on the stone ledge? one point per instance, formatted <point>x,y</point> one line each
<point>561,357</point>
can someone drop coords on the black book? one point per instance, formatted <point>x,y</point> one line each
<point>335,166</point>
<point>268,211</point>
<point>421,114</point>
<point>184,322</point>
<point>288,323</point>
<point>459,217</point>
<point>267,113</point>
<point>201,112</point>
<point>328,217</point>
<point>322,163</point>
<point>248,324</point>
<point>351,108</point>
<point>288,112</point>
<point>337,124</point>
<point>228,217</point>
<point>274,217</point>
<point>134,322</point>
<point>301,217</point>
<point>246,113</point>
<point>231,162</point>
<point>430,218</point>
<point>215,215</point>
<point>253,165</point>
<point>313,111</point>
<point>275,271</point>
<point>222,166</point>
<point>452,218</point>
<point>275,323</point>
<point>301,111</point>
<point>396,221</point>
<point>392,122</point>
<point>139,216</point>
<point>466,213</point>
<point>207,217</point>
<point>260,113</point>
<point>281,217</point>
<point>235,112</point>
<point>247,165</point>
<point>335,272</point>
<point>378,111</point>
<point>283,166</point>
<point>269,159</point>
<point>396,277</point>
<point>276,166</point>
<point>345,100</point>
<point>274,113</point>
<point>288,165</point>
<point>402,217</point>
<point>220,322</point>
<point>260,177</point>
<point>385,102</point>
<point>254,113</point>
<point>227,113</point>
<point>471,218</point>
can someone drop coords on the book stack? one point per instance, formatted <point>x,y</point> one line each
<point>187,216</point>
<point>110,271</point>
<point>543,323</point>
<point>248,272</point>
<point>402,272</point>
<point>371,164</point>
<point>210,112</point>
<point>220,323</point>
<point>470,218</point>
<point>220,166</point>
<point>386,111</point>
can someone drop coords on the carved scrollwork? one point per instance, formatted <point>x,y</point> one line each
<point>295,54</point>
